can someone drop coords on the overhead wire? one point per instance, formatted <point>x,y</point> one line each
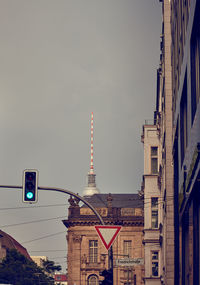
<point>57,257</point>
<point>47,250</point>
<point>47,236</point>
<point>170,197</point>
<point>43,220</point>
<point>31,222</point>
<point>31,207</point>
<point>63,217</point>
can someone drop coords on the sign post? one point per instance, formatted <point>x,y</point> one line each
<point>108,235</point>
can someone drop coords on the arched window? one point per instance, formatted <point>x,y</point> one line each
<point>93,280</point>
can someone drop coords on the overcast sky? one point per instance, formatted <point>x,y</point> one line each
<point>60,60</point>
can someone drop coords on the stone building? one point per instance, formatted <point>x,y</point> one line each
<point>151,187</point>
<point>161,194</point>
<point>163,116</point>
<point>87,256</point>
<point>39,260</point>
<point>163,124</point>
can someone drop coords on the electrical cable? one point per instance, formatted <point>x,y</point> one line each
<point>61,217</point>
<point>31,222</point>
<point>31,207</point>
<point>67,204</point>
<point>47,250</point>
<point>47,236</point>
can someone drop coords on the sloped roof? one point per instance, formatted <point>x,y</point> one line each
<point>9,242</point>
<point>118,200</point>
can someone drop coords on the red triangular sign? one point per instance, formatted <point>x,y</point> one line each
<point>108,234</point>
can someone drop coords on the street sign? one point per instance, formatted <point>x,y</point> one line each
<point>108,234</point>
<point>129,261</point>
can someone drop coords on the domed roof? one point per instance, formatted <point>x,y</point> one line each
<point>8,242</point>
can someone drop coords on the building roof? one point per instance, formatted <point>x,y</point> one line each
<point>118,200</point>
<point>115,209</point>
<point>9,242</point>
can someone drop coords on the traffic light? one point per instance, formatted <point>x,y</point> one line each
<point>108,277</point>
<point>30,186</point>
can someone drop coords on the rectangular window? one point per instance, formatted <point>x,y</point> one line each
<point>154,159</point>
<point>183,120</point>
<point>154,213</point>
<point>93,251</point>
<point>128,274</point>
<point>127,248</point>
<point>155,263</point>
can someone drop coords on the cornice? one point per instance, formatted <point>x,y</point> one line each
<point>137,221</point>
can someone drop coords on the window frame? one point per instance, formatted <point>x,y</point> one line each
<point>184,120</point>
<point>154,261</point>
<point>92,276</point>
<point>154,157</point>
<point>154,210</point>
<point>127,248</point>
<point>93,251</point>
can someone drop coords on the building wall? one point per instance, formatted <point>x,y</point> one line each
<point>186,137</point>
<point>152,212</point>
<point>80,268</point>
<point>81,231</point>
<point>39,260</point>
<point>163,117</point>
<point>163,240</point>
<point>168,189</point>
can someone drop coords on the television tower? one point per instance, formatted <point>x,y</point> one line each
<point>91,188</point>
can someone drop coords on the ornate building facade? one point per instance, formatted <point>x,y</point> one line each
<point>87,256</point>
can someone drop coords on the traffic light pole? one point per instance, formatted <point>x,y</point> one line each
<point>76,196</point>
<point>63,191</point>
<point>110,252</point>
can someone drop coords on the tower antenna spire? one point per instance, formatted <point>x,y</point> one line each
<point>92,146</point>
<point>91,188</point>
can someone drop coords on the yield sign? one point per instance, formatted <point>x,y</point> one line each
<point>108,234</point>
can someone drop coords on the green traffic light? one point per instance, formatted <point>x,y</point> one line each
<point>30,186</point>
<point>29,195</point>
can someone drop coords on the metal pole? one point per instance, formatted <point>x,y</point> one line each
<point>77,196</point>
<point>63,191</point>
<point>110,261</point>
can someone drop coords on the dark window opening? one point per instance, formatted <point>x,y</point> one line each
<point>183,120</point>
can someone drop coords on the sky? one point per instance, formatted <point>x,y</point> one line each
<point>60,60</point>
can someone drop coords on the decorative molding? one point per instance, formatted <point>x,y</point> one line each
<point>76,238</point>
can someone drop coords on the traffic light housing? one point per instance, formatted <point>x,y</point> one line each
<point>30,186</point>
<point>108,277</point>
